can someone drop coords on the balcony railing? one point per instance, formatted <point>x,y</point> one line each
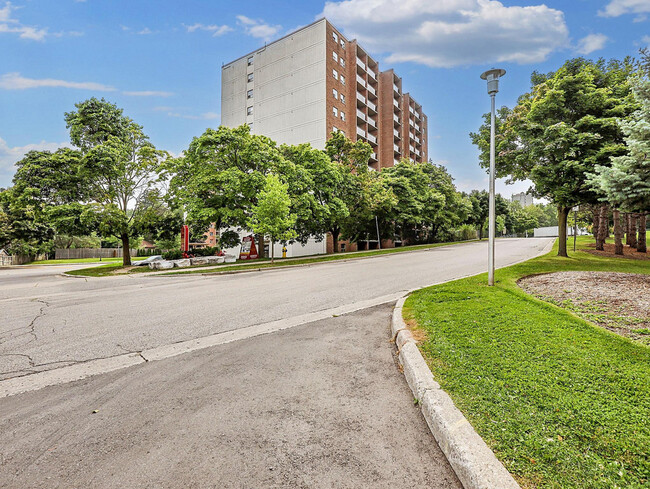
<point>396,133</point>
<point>372,122</point>
<point>372,73</point>
<point>361,97</point>
<point>361,115</point>
<point>371,105</point>
<point>411,110</point>
<point>395,103</point>
<point>395,88</point>
<point>361,63</point>
<point>361,132</point>
<point>371,90</point>
<point>361,81</point>
<point>371,138</point>
<point>395,118</point>
<point>396,148</point>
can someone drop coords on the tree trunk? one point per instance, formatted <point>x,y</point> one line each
<point>628,225</point>
<point>126,250</point>
<point>260,246</point>
<point>335,239</point>
<point>480,233</point>
<point>272,259</point>
<point>603,227</point>
<point>618,232</point>
<point>562,214</point>
<point>595,220</point>
<point>641,244</point>
<point>633,241</point>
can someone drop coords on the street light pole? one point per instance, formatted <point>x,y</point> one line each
<point>492,76</point>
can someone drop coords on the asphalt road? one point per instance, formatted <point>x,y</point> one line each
<point>322,405</point>
<point>49,321</point>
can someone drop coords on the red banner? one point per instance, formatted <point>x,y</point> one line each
<point>185,238</point>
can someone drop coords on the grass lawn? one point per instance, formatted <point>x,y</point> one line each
<point>563,403</point>
<point>263,262</point>
<point>75,260</point>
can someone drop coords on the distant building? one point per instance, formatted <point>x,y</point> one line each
<point>523,198</point>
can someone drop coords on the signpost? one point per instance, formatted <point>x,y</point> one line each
<point>248,250</point>
<point>185,238</point>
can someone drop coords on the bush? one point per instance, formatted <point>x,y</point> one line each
<point>173,255</point>
<point>465,232</point>
<point>229,239</point>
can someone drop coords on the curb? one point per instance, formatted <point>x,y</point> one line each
<point>474,463</point>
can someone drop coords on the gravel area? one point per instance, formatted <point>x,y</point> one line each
<point>619,302</point>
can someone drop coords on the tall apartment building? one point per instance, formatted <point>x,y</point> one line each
<point>304,86</point>
<point>523,198</point>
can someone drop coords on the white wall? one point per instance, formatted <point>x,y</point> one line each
<point>288,89</point>
<point>312,247</point>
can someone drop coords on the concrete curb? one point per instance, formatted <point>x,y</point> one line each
<point>474,463</point>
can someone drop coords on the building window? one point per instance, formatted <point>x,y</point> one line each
<point>249,110</point>
<point>335,129</point>
<point>342,115</point>
<point>335,56</point>
<point>249,94</point>
<point>335,37</point>
<point>250,77</point>
<point>343,62</point>
<point>335,93</point>
<point>250,61</point>
<point>342,43</point>
<point>335,111</point>
<point>342,98</point>
<point>335,74</point>
<point>343,79</point>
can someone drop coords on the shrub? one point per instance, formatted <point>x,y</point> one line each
<point>173,255</point>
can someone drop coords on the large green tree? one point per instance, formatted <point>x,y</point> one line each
<point>562,129</point>
<point>626,183</point>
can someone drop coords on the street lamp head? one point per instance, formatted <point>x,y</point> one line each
<point>492,76</point>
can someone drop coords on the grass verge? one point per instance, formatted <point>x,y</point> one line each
<point>563,403</point>
<point>72,261</point>
<point>262,263</point>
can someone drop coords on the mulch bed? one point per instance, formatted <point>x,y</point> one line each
<point>627,252</point>
<point>619,302</point>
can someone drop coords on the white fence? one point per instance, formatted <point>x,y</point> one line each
<point>72,253</point>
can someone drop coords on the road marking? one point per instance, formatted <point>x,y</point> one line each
<point>79,371</point>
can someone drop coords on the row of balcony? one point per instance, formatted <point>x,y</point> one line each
<point>366,135</point>
<point>366,118</point>
<point>366,69</point>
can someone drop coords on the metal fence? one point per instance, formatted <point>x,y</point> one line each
<point>72,253</point>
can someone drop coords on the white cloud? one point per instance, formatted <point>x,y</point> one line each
<point>645,39</point>
<point>616,8</point>
<point>10,155</point>
<point>257,28</point>
<point>447,33</point>
<point>148,93</point>
<point>11,25</point>
<point>591,43</point>
<point>13,81</point>
<point>217,30</point>
<point>145,31</point>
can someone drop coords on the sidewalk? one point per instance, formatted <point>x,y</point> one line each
<point>320,405</point>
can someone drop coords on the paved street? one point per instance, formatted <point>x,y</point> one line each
<point>50,321</point>
<point>321,404</point>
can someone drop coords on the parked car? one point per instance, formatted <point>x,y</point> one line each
<point>147,260</point>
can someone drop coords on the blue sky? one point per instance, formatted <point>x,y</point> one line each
<point>160,59</point>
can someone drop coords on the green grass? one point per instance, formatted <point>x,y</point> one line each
<point>70,261</point>
<point>563,403</point>
<point>265,262</point>
<point>105,270</point>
